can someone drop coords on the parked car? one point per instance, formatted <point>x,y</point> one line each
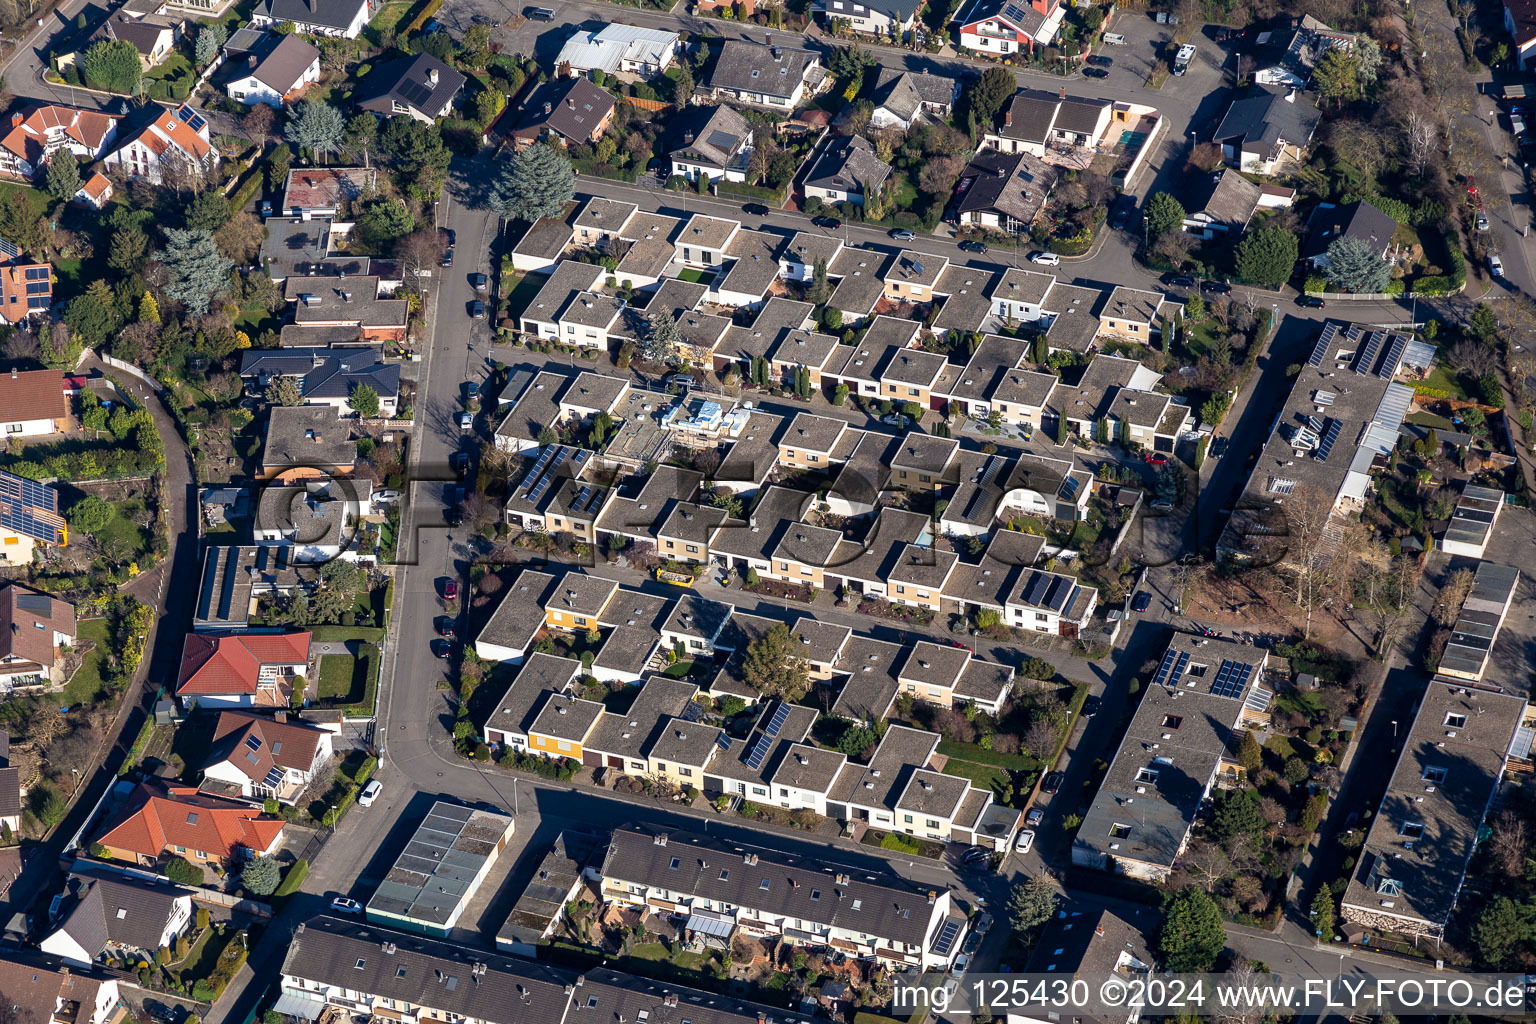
<point>1101,60</point>
<point>1045,259</point>
<point>1090,706</point>
<point>453,516</point>
<point>478,282</point>
<point>370,793</point>
<point>477,310</point>
<point>388,496</point>
<point>1095,73</point>
<point>755,209</point>
<point>346,906</point>
<point>1154,459</point>
<point>961,963</point>
<point>459,463</point>
<point>450,590</point>
<point>266,208</point>
<point>1052,783</point>
<point>1310,302</point>
<point>824,221</point>
<point>445,625</point>
<point>902,234</point>
<point>466,421</point>
<point>685,381</point>
<point>453,237</point>
<point>1179,281</point>
<point>1035,816</point>
<point>1218,448</point>
<point>539,13</point>
<point>1216,288</point>
<point>1025,842</point>
<point>1482,221</point>
<point>1495,266</point>
<point>1123,210</point>
<point>447,260</point>
<point>1141,601</point>
<point>975,855</point>
<point>977,247</point>
<point>441,649</point>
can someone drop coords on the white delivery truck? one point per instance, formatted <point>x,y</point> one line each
<point>1181,61</point>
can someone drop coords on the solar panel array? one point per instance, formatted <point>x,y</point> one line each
<point>9,249</point>
<point>1330,436</point>
<point>1324,341</point>
<point>538,466</point>
<point>723,741</point>
<point>416,94</point>
<point>1231,679</point>
<point>759,751</point>
<point>1388,367</point>
<point>1365,361</point>
<point>253,742</point>
<point>191,118</point>
<point>777,721</point>
<point>1174,663</point>
<point>989,470</point>
<point>1069,486</point>
<point>947,936</point>
<point>274,776</point>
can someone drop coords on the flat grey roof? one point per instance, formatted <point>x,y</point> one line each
<point>442,865</point>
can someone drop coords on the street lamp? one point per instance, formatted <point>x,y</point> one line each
<point>76,773</point>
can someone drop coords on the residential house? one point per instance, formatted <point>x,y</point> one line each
<point>1266,128</point>
<point>236,576</point>
<point>10,788</point>
<point>1009,26</point>
<point>307,442</point>
<point>1414,861</point>
<point>619,49</point>
<point>154,36</point>
<point>1225,202</point>
<point>1179,743</point>
<point>29,519</point>
<point>96,192</point>
<point>1289,60</point>
<point>32,402</point>
<point>1093,942</point>
<point>313,518</point>
<point>902,98</point>
<point>34,629</point>
<point>364,303</point>
<point>765,75</point>
<point>34,137</point>
<point>1132,314</point>
<point>267,758</point>
<point>888,19</point>
<point>847,171</point>
<point>798,260</point>
<point>241,669</point>
<point>313,192</point>
<point>1003,190</point>
<point>1520,23</point>
<point>119,916</point>
<point>421,86</point>
<point>327,376</point>
<point>912,275</point>
<point>715,142</point>
<point>46,989</point>
<point>1360,220</point>
<point>768,894</point>
<point>158,821</point>
<point>567,111</point>
<point>599,223</point>
<point>26,289</point>
<point>279,77</point>
<point>1049,602</point>
<point>175,143</point>
<point>337,18</point>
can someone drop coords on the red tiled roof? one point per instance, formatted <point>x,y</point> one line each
<point>232,664</point>
<point>87,127</point>
<point>32,394</point>
<point>155,818</point>
<point>97,186</point>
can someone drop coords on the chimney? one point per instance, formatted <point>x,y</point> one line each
<point>570,103</point>
<point>1008,117</point>
<point>432,77</point>
<point>547,109</point>
<point>687,138</point>
<point>299,928</point>
<point>15,120</point>
<point>280,717</point>
<point>768,39</point>
<point>1098,930</point>
<point>1062,94</point>
<point>250,61</point>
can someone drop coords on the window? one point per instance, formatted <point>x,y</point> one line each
<point>1435,775</point>
<point>400,971</point>
<point>1172,721</point>
<point>815,894</point>
<point>686,773</point>
<point>907,818</point>
<point>914,392</point>
<point>1412,829</point>
<point>361,963</point>
<point>1146,775</point>
<point>1042,617</point>
<point>763,884</point>
<point>564,745</point>
<point>693,549</point>
<point>673,864</point>
<point>925,478</point>
<point>1456,721</point>
<point>725,873</point>
<point>933,823</point>
<point>1119,831</point>
<point>815,458</point>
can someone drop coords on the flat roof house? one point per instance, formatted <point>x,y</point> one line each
<point>1180,740</point>
<point>1414,859</point>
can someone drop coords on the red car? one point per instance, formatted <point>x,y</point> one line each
<point>1154,459</point>
<point>451,590</point>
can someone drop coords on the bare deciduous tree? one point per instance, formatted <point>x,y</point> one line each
<point>1508,844</point>
<point>1452,596</point>
<point>1474,358</point>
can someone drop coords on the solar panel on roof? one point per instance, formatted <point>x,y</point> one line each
<point>561,455</point>
<point>1038,583</point>
<point>415,94</point>
<point>1231,679</point>
<point>759,751</point>
<point>253,742</point>
<point>1172,667</point>
<point>1323,341</point>
<point>9,248</point>
<point>947,936</point>
<point>1388,367</point>
<point>1069,486</point>
<point>274,776</point>
<point>723,741</point>
<point>538,466</point>
<point>539,489</point>
<point>777,721</point>
<point>1335,427</point>
<point>1367,357</point>
<point>581,497</point>
<point>580,456</point>
<point>191,118</point>
<point>722,140</point>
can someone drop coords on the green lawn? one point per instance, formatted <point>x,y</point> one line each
<point>519,290</point>
<point>696,276</point>
<point>650,951</point>
<point>1443,378</point>
<point>88,681</point>
<point>1429,419</point>
<point>390,17</point>
<point>981,755</point>
<point>982,776</point>
<point>351,682</point>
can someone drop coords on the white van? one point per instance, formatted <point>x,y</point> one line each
<point>1114,39</point>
